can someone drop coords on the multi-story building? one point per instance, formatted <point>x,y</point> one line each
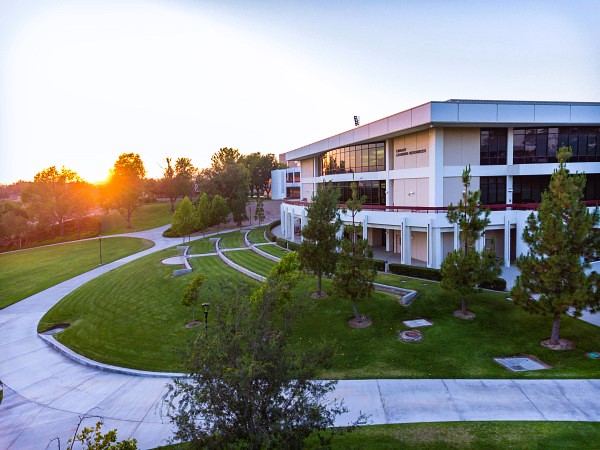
<point>409,167</point>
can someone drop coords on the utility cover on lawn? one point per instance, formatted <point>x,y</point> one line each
<point>416,323</point>
<point>521,363</point>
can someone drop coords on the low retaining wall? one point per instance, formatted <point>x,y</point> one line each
<point>188,268</point>
<point>255,249</point>
<point>237,267</point>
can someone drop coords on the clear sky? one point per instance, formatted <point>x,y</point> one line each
<point>84,81</point>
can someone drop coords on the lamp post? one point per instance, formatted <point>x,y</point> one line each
<point>205,307</point>
<point>100,246</point>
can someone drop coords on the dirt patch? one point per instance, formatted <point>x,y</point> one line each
<point>466,316</point>
<point>563,344</point>
<point>318,295</point>
<point>361,322</point>
<point>193,324</point>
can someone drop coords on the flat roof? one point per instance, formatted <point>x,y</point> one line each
<point>458,112</point>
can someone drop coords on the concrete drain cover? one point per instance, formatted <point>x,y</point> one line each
<point>521,363</point>
<point>417,323</point>
<point>411,336</point>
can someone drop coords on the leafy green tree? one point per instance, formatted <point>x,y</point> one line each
<point>14,223</point>
<point>53,197</point>
<point>465,269</point>
<point>248,388</point>
<point>219,211</point>
<point>259,169</point>
<point>562,243</point>
<point>354,271</point>
<point>191,295</point>
<point>126,184</point>
<point>318,250</point>
<point>259,213</point>
<point>167,184</point>
<point>204,212</point>
<point>185,218</point>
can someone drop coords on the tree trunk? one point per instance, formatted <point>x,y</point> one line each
<point>129,211</point>
<point>463,306</point>
<point>555,336</point>
<point>172,200</point>
<point>355,310</point>
<point>319,285</point>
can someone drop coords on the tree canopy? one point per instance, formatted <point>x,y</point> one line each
<point>125,186</point>
<point>318,250</point>
<point>562,243</point>
<point>464,269</point>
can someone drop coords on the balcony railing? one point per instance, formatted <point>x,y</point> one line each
<point>441,209</point>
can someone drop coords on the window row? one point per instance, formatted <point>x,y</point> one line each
<point>374,191</point>
<point>292,177</point>
<point>539,145</point>
<point>528,189</point>
<point>354,158</point>
<point>492,148</point>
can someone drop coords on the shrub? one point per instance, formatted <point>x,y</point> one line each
<point>170,233</point>
<point>379,265</point>
<point>269,234</point>
<point>293,246</point>
<point>497,285</point>
<point>415,271</point>
<point>281,242</point>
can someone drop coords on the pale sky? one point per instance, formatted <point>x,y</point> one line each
<point>84,81</point>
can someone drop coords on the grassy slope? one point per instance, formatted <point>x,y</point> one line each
<point>25,273</point>
<point>201,246</point>
<point>234,239</point>
<point>251,260</point>
<point>274,250</point>
<point>141,300</point>
<point>132,316</point>
<point>257,235</point>
<point>146,217</point>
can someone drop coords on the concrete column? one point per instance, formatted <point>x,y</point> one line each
<point>437,249</point>
<point>303,222</point>
<point>389,161</point>
<point>429,245</point>
<point>456,237</point>
<point>405,244</point>
<point>282,218</point>
<point>509,146</point>
<point>506,242</point>
<point>389,240</point>
<point>522,247</point>
<point>509,189</point>
<point>365,231</point>
<point>436,167</point>
<point>290,225</point>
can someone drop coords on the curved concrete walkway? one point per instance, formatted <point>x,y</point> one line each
<point>45,392</point>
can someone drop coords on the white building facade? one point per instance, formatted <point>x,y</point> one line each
<point>409,167</point>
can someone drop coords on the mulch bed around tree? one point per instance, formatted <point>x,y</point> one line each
<point>468,316</point>
<point>362,322</point>
<point>563,344</point>
<point>318,295</point>
<point>193,324</point>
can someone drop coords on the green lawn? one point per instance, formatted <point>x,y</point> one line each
<point>201,246</point>
<point>132,316</point>
<point>141,300</point>
<point>464,436</point>
<point>274,249</point>
<point>234,239</point>
<point>257,235</point>
<point>146,217</point>
<point>27,272</point>
<point>252,261</point>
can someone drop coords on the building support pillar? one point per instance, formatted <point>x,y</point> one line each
<point>506,242</point>
<point>303,222</point>
<point>429,245</point>
<point>389,240</point>
<point>405,243</point>
<point>365,231</point>
<point>456,237</point>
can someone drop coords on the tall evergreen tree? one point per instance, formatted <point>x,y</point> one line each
<point>317,252</point>
<point>259,213</point>
<point>562,243</point>
<point>465,269</point>
<point>185,218</point>
<point>355,272</point>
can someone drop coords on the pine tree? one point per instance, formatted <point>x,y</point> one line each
<point>259,213</point>
<point>355,272</point>
<point>465,269</point>
<point>317,252</point>
<point>562,243</point>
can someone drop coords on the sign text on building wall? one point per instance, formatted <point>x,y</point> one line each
<point>403,152</point>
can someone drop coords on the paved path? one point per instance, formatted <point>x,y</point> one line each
<point>45,392</point>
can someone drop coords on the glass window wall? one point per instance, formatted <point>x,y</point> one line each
<point>354,158</point>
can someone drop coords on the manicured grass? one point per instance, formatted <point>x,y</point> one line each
<point>118,316</point>
<point>132,316</point>
<point>234,239</point>
<point>464,435</point>
<point>274,249</point>
<point>146,217</point>
<point>251,260</point>
<point>257,235</point>
<point>452,348</point>
<point>27,272</point>
<point>201,246</point>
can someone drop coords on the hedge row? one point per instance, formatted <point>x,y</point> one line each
<point>379,265</point>
<point>436,275</point>
<point>269,233</point>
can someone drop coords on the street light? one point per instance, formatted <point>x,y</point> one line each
<point>205,306</point>
<point>100,245</point>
